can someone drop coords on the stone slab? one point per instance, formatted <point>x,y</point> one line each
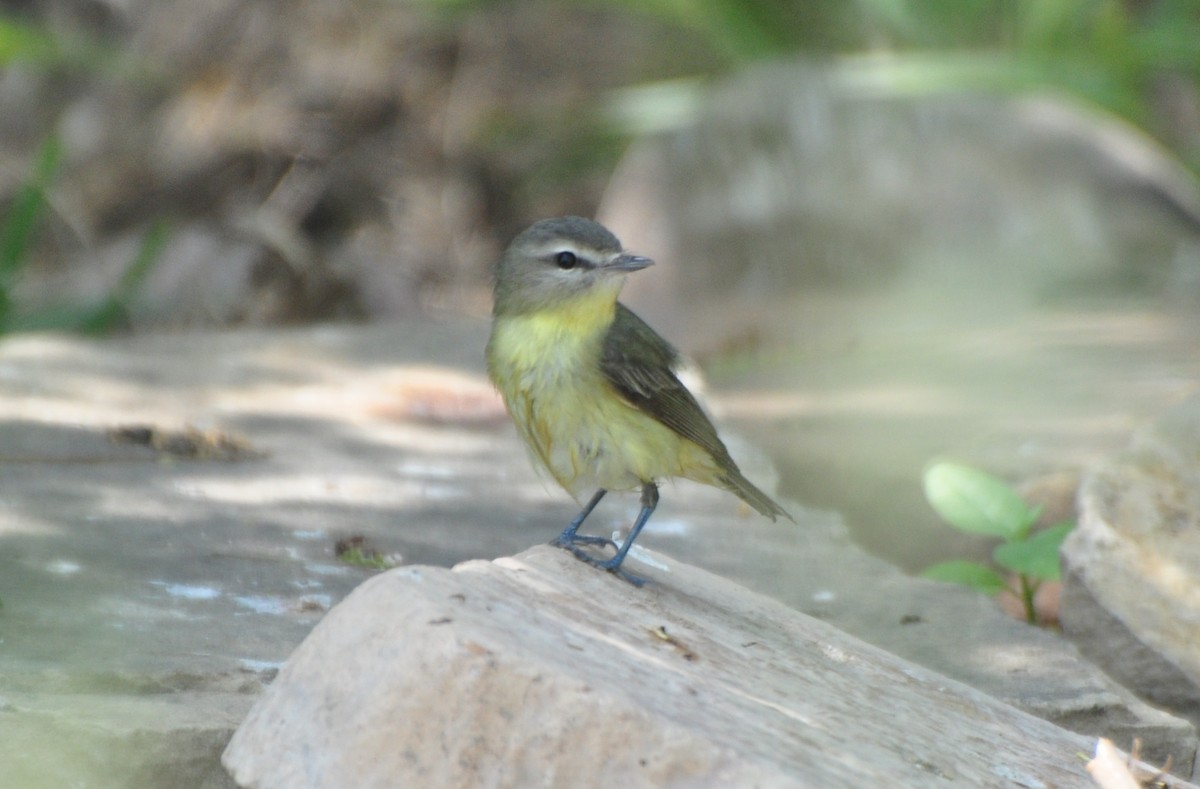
<point>540,670</point>
<point>132,575</point>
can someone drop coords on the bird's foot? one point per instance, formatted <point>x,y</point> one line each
<point>569,541</point>
<point>612,565</point>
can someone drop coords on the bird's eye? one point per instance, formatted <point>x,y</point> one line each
<point>566,260</point>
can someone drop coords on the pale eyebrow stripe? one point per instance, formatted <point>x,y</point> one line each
<point>591,256</point>
<point>547,250</point>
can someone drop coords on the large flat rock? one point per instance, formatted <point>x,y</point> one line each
<point>540,670</point>
<point>148,595</point>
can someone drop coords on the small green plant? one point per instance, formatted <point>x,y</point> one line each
<point>372,560</point>
<point>18,231</point>
<point>355,551</point>
<point>976,502</point>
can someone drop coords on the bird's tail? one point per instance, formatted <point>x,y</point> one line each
<point>748,493</point>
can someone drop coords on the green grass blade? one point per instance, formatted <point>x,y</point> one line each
<point>107,315</point>
<point>19,226</point>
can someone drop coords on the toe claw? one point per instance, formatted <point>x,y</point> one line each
<point>582,539</point>
<point>609,565</point>
<point>628,577</point>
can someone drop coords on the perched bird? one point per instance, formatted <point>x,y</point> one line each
<point>591,387</point>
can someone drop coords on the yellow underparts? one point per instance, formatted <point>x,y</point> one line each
<point>547,367</point>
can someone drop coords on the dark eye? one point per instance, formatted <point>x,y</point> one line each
<point>566,260</point>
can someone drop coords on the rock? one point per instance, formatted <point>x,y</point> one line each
<point>171,572</point>
<point>911,275</point>
<point>540,670</point>
<point>956,632</point>
<point>170,510</point>
<point>796,183</point>
<point>1132,567</point>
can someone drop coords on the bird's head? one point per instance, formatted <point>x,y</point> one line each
<point>556,261</point>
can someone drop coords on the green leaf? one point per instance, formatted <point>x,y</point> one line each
<point>1036,556</point>
<point>972,574</point>
<point>975,501</point>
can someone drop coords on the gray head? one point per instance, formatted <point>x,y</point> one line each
<point>556,260</point>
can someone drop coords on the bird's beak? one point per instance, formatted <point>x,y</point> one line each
<point>625,263</point>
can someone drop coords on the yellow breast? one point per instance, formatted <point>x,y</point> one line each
<point>547,367</point>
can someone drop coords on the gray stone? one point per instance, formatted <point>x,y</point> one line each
<point>799,182</point>
<point>1130,596</point>
<point>894,276</point>
<point>147,593</point>
<point>540,670</point>
<point>818,570</point>
<point>136,578</point>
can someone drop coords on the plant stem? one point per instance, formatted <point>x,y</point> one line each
<point>1028,589</point>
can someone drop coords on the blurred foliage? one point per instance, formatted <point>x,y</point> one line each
<point>110,312</point>
<point>31,44</point>
<point>20,42</point>
<point>28,44</point>
<point>18,230</point>
<point>1110,52</point>
<point>21,220</point>
<point>550,144</point>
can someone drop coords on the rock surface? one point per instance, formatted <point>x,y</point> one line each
<point>958,633</point>
<point>1131,599</point>
<point>914,275</point>
<point>539,670</point>
<point>796,182</point>
<point>148,595</point>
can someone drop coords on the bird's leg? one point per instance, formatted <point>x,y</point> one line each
<point>649,502</point>
<point>569,539</point>
<point>613,565</point>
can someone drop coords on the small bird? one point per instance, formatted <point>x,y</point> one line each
<point>591,387</point>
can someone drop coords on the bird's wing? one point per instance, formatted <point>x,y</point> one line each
<point>638,363</point>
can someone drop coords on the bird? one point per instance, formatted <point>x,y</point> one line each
<point>592,388</point>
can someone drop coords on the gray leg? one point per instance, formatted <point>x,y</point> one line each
<point>649,502</point>
<point>569,539</point>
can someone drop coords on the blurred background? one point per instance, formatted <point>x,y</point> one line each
<point>888,230</point>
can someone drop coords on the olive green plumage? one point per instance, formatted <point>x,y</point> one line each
<point>590,386</point>
<point>640,365</point>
